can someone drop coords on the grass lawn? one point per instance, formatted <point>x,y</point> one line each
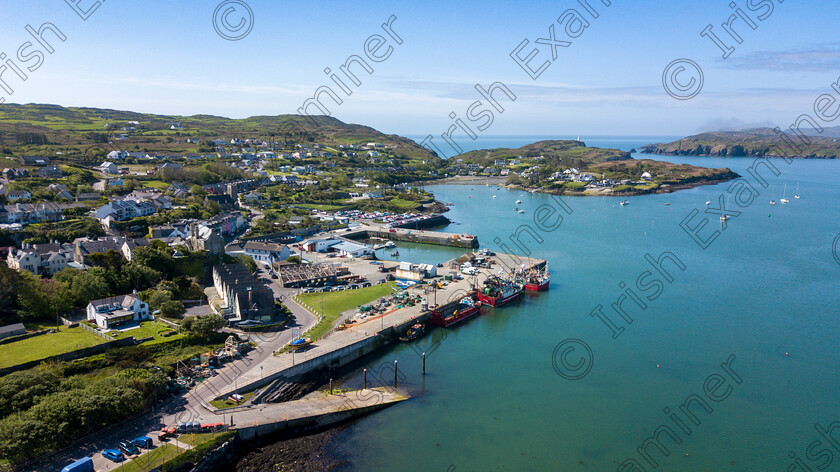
<point>404,205</point>
<point>222,404</point>
<point>152,459</point>
<point>337,302</point>
<point>146,329</point>
<point>155,184</point>
<point>315,206</point>
<point>39,347</point>
<point>197,439</point>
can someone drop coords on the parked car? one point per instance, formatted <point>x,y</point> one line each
<point>129,448</point>
<point>166,433</point>
<point>309,290</point>
<point>364,284</point>
<point>352,287</point>
<point>113,455</point>
<point>325,289</point>
<point>143,441</point>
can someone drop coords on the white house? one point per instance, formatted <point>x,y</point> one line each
<point>372,195</point>
<point>40,259</point>
<point>114,311</point>
<point>117,155</point>
<point>108,167</point>
<point>267,253</point>
<point>646,176</point>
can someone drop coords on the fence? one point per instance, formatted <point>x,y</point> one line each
<point>96,331</point>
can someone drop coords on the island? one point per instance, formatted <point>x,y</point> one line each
<point>570,167</point>
<point>755,142</point>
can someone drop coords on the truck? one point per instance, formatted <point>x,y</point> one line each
<point>81,465</point>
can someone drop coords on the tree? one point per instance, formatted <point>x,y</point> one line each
<point>172,309</point>
<point>198,191</point>
<point>203,326</point>
<point>248,262</point>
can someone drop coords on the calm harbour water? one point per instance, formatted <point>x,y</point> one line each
<point>765,291</point>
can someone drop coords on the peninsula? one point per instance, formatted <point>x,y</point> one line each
<point>756,142</point>
<point>570,167</point>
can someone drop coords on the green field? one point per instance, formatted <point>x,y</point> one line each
<point>146,329</point>
<point>40,347</point>
<point>331,304</point>
<point>152,459</point>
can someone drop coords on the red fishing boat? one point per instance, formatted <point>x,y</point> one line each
<point>536,280</point>
<point>498,291</point>
<point>465,309</point>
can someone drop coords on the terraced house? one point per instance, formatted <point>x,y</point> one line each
<point>244,296</point>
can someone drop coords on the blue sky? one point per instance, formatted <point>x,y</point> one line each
<point>166,57</point>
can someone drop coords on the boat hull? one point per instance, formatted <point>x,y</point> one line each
<point>438,319</point>
<point>537,287</point>
<point>500,300</point>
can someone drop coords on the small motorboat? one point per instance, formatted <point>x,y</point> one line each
<point>625,202</point>
<point>414,332</point>
<point>521,211</point>
<point>395,254</point>
<point>300,342</point>
<point>518,202</point>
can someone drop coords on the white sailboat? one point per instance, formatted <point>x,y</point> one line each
<point>709,201</point>
<point>796,195</point>
<point>784,198</point>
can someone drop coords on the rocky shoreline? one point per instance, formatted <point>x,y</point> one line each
<point>308,453</point>
<point>665,188</point>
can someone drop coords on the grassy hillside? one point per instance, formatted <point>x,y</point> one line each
<point>50,129</point>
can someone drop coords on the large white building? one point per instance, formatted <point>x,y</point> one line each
<point>114,311</point>
<point>41,259</point>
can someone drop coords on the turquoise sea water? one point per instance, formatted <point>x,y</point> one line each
<point>765,291</point>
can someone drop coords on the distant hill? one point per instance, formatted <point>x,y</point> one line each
<point>756,142</point>
<point>571,153</point>
<point>47,129</point>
